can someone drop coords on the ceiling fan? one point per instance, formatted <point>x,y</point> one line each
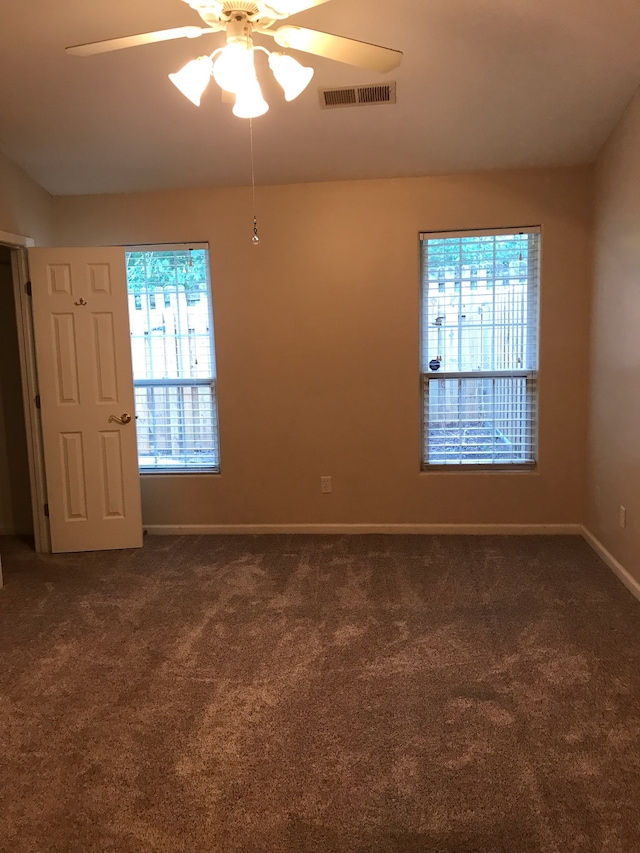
<point>234,68</point>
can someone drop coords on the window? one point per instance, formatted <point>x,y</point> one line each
<point>172,346</point>
<point>479,346</point>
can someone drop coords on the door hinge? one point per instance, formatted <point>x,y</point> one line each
<point>38,401</point>
<point>27,288</point>
<point>46,510</point>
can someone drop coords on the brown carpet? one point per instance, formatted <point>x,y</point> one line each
<point>362,694</point>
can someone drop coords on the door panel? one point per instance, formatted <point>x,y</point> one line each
<point>83,352</point>
<point>65,358</point>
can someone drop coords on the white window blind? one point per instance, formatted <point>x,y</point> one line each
<point>479,347</point>
<point>173,355</point>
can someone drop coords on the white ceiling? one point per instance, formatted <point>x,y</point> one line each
<point>483,84</point>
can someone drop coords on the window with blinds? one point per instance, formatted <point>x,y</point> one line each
<point>479,347</point>
<point>174,374</point>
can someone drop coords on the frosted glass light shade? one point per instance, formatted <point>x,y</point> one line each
<point>293,77</point>
<point>192,80</point>
<point>234,66</point>
<point>249,101</point>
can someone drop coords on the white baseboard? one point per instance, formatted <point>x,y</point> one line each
<point>617,568</point>
<point>421,529</point>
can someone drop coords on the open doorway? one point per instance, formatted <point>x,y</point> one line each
<point>22,474</point>
<point>16,517</point>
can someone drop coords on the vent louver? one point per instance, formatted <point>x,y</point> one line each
<point>358,96</point>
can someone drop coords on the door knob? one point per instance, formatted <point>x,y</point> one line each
<point>124,418</point>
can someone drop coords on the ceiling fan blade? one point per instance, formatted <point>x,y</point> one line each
<point>353,52</point>
<point>133,41</point>
<point>284,8</point>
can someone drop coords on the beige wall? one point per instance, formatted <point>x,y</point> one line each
<point>614,440</point>
<point>25,208</point>
<point>317,345</point>
<point>15,494</point>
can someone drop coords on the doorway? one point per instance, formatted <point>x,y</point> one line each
<point>22,475</point>
<point>15,491</point>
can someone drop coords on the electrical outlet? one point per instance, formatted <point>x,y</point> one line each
<point>622,517</point>
<point>325,485</point>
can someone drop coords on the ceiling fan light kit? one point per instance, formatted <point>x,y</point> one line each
<point>235,72</point>
<point>293,77</point>
<point>234,65</point>
<point>193,79</point>
<point>249,101</point>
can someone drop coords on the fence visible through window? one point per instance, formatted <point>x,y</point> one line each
<point>481,421</point>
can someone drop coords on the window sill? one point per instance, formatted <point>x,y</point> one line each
<point>181,472</point>
<point>483,469</point>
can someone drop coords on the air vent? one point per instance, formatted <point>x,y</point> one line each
<point>358,96</point>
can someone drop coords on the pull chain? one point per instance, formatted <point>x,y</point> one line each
<point>255,239</point>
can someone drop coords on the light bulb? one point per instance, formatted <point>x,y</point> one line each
<point>249,101</point>
<point>193,78</point>
<point>290,74</point>
<point>234,66</point>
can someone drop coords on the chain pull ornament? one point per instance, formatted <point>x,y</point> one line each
<point>255,239</point>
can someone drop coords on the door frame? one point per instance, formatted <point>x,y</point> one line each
<point>18,245</point>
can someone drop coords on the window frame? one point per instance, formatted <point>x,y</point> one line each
<point>530,374</point>
<point>189,382</point>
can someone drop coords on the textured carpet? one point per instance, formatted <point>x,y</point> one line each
<point>362,694</point>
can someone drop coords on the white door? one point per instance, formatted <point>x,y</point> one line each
<point>83,353</point>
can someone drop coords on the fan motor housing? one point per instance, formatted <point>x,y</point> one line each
<point>211,11</point>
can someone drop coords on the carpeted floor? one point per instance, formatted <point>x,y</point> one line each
<point>363,694</point>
